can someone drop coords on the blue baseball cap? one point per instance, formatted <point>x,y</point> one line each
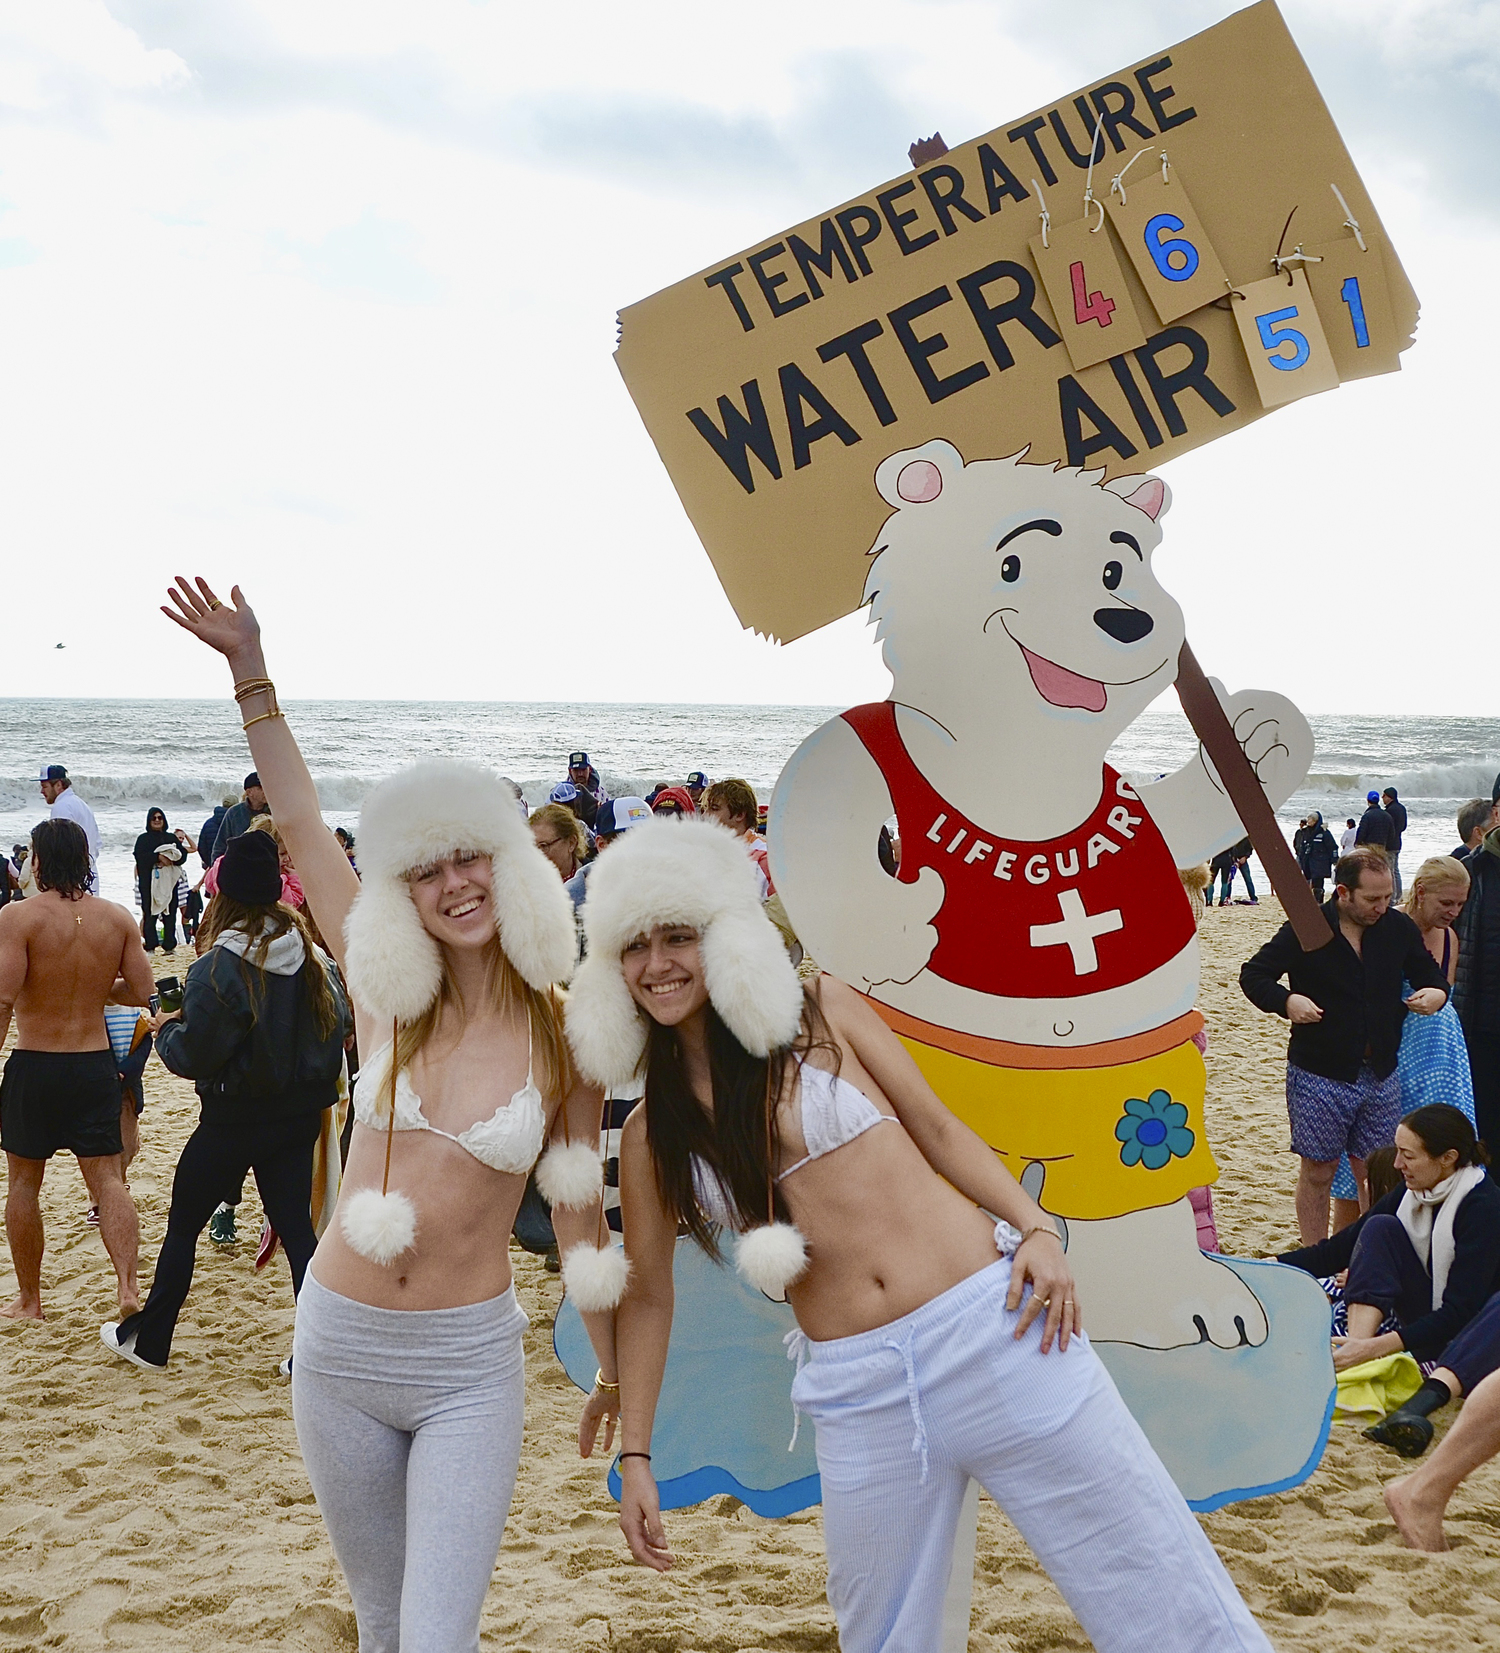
<point>563,793</point>
<point>1372,797</point>
<point>697,778</point>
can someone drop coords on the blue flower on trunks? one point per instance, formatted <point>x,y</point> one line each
<point>1153,1133</point>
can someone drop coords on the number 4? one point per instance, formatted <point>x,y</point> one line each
<point>1089,306</point>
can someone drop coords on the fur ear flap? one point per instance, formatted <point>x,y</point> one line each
<point>604,1025</point>
<point>395,968</point>
<point>535,917</point>
<point>751,981</point>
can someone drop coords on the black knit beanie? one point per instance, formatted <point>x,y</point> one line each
<point>250,871</point>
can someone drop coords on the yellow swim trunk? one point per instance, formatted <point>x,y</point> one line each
<point>1119,1128</point>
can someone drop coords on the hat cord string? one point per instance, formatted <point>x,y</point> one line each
<point>770,1150</point>
<point>390,1124</point>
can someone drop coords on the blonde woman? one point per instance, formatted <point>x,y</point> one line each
<point>560,837</point>
<point>408,1374</point>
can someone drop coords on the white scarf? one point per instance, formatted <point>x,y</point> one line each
<point>1428,1217</point>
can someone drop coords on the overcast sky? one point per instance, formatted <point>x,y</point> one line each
<point>320,295</point>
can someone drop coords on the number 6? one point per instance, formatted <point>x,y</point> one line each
<point>1274,332</point>
<point>1164,250</point>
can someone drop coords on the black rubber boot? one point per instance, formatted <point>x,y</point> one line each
<point>1408,1430</point>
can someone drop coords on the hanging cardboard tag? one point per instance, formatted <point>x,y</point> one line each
<point>1279,327</point>
<point>1350,290</point>
<point>1086,285</point>
<point>1165,241</point>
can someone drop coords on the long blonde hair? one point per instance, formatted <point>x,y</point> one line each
<point>1436,869</point>
<point>504,990</point>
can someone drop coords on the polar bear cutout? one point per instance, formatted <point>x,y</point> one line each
<point>1036,952</point>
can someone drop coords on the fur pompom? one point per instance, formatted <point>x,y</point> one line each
<point>570,1175</point>
<point>379,1226</point>
<point>771,1257</point>
<point>595,1278</point>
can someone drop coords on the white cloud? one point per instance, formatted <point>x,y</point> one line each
<point>322,298</point>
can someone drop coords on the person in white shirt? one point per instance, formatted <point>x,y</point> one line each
<point>57,789</point>
<point>733,804</point>
<point>1346,839</point>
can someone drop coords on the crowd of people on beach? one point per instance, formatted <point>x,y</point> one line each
<point>377,1032</point>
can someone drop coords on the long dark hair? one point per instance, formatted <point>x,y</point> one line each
<point>261,925</point>
<point>60,858</point>
<point>1441,1127</point>
<point>740,1141</point>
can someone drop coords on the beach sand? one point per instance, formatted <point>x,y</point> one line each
<point>143,1511</point>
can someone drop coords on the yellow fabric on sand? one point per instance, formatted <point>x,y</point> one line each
<point>1376,1387</point>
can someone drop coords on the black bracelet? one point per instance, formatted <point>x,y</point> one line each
<point>645,1455</point>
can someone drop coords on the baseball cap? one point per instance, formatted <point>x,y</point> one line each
<point>563,793</point>
<point>54,772</point>
<point>578,760</point>
<point>697,778</point>
<point>620,813</point>
<point>1372,797</point>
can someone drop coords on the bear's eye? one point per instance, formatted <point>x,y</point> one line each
<point>1113,574</point>
<point>1010,569</point>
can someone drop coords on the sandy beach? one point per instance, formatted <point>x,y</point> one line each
<point>139,1511</point>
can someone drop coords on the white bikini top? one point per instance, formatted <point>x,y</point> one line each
<point>833,1113</point>
<point>509,1140</point>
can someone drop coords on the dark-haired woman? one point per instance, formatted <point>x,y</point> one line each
<point>1428,1255</point>
<point>156,836</point>
<point>796,1120</point>
<point>261,1032</point>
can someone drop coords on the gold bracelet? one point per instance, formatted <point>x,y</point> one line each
<point>1039,1228</point>
<point>599,1383</point>
<point>249,686</point>
<point>251,721</point>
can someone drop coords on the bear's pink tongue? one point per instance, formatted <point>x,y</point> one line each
<point>1061,687</point>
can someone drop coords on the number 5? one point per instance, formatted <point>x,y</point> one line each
<point>1274,332</point>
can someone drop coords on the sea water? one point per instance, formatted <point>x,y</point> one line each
<point>184,756</point>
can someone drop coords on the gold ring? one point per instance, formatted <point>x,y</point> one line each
<point>215,604</point>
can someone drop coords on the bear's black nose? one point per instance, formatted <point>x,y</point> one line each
<point>1125,625</point>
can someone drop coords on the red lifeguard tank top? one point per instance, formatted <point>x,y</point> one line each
<point>1095,908</point>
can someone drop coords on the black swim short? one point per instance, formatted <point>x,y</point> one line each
<point>50,1100</point>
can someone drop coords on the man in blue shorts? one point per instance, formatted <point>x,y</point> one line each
<point>1344,1002</point>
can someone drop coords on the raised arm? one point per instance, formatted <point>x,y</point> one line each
<point>963,1158</point>
<point>328,880</point>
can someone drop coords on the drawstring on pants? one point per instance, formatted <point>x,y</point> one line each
<point>795,1344</point>
<point>913,1397</point>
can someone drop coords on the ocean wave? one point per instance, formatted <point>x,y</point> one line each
<point>1445,780</point>
<point>181,792</point>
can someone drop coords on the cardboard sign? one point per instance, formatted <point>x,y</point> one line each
<point>1283,339</point>
<point>1353,300</point>
<point>1165,240</point>
<point>1083,279</point>
<point>774,382</point>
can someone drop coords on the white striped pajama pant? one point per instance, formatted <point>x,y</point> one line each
<point>907,1413</point>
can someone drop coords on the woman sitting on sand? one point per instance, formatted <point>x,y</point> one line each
<point>923,1356</point>
<point>1429,1254</point>
<point>407,1373</point>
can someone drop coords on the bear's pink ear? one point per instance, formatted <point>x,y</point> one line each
<point>917,476</point>
<point>919,482</point>
<point>1150,497</point>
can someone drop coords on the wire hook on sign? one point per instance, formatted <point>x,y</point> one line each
<point>1046,216</point>
<point>1088,183</point>
<point>1350,221</point>
<point>1117,183</point>
<point>1276,259</point>
<point>1284,261</point>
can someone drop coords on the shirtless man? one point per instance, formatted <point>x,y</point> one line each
<point>64,955</point>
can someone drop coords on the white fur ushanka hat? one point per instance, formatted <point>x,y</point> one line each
<point>679,872</point>
<point>421,814</point>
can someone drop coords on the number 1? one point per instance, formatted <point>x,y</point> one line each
<point>1351,296</point>
<point>1089,306</point>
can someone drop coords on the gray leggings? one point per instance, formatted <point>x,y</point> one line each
<point>410,1427</point>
